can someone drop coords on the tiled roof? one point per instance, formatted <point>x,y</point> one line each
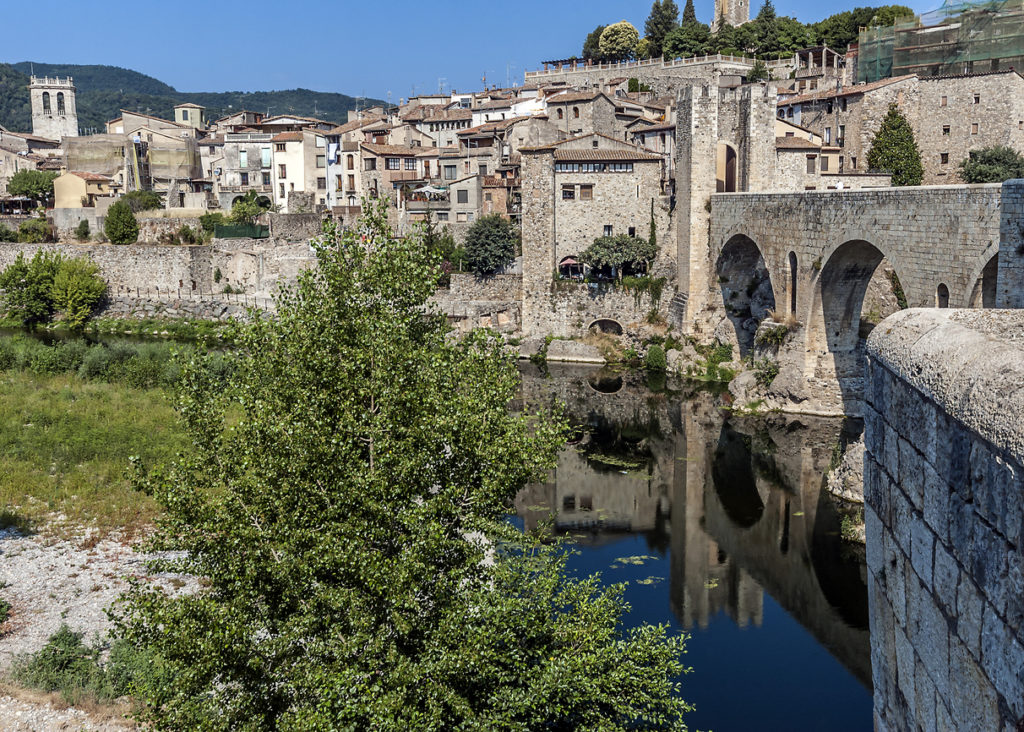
<point>795,143</point>
<point>449,114</point>
<point>669,127</point>
<point>355,124</point>
<point>491,126</point>
<point>94,177</point>
<point>847,91</point>
<point>604,155</point>
<point>287,137</point>
<point>392,150</point>
<point>215,140</point>
<point>574,96</point>
<point>495,104</point>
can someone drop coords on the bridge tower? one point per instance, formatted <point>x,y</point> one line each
<point>54,112</point>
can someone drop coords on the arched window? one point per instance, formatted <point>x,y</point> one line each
<point>60,102</point>
<point>792,282</point>
<point>560,114</point>
<point>575,112</point>
<point>46,102</point>
<point>942,296</point>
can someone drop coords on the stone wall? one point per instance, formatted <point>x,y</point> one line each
<point>210,307</point>
<point>944,513</point>
<point>497,287</point>
<point>569,308</point>
<point>295,226</point>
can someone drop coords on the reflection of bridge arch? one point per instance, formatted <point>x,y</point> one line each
<point>741,275</point>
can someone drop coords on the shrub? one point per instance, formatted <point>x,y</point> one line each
<point>7,233</point>
<point>993,164</point>
<point>765,371</point>
<point>656,360</point>
<point>5,610</point>
<point>120,225</point>
<point>77,290</point>
<point>82,230</point>
<point>29,286</point>
<point>621,252</point>
<point>187,235</point>
<point>143,200</point>
<point>217,276</point>
<point>34,231</point>
<point>210,221</point>
<point>490,244</point>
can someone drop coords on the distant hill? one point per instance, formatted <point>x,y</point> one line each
<point>102,91</point>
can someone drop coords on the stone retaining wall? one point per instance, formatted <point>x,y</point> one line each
<point>201,308</point>
<point>944,511</point>
<point>497,287</point>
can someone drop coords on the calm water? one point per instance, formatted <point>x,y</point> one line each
<point>721,529</point>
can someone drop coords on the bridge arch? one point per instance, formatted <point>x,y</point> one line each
<point>746,289</point>
<point>983,281</point>
<point>606,325</point>
<point>835,329</point>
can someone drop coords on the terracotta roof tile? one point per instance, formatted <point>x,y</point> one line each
<point>795,143</point>
<point>392,150</point>
<point>94,177</point>
<point>287,137</point>
<point>604,155</point>
<point>355,124</point>
<point>848,91</point>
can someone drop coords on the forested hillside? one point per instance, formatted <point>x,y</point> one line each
<point>105,90</point>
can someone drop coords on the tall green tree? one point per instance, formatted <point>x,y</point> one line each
<point>34,184</point>
<point>689,13</point>
<point>993,164</point>
<point>343,499</point>
<point>592,45</point>
<point>618,41</point>
<point>895,151</point>
<point>120,225</point>
<point>689,39</point>
<point>663,19</point>
<point>490,244</point>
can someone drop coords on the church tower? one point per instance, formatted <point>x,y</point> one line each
<point>54,114</point>
<point>733,12</point>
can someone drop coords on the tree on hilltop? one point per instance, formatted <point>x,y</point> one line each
<point>618,41</point>
<point>663,19</point>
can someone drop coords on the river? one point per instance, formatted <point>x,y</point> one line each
<point>721,528</point>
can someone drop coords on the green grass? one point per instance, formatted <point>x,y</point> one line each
<point>65,444</point>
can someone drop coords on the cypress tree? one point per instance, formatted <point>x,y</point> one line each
<point>689,13</point>
<point>895,151</point>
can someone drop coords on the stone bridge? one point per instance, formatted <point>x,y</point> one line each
<point>950,246</point>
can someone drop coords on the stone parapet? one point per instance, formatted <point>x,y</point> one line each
<point>944,512</point>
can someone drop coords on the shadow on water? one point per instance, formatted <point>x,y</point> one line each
<point>721,527</point>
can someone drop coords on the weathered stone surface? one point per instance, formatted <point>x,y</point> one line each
<point>560,350</point>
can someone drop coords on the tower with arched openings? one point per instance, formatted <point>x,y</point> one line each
<point>54,112</point>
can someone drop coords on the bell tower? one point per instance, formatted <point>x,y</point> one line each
<point>733,12</point>
<point>54,112</point>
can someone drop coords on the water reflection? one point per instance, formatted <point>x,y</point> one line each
<point>737,506</point>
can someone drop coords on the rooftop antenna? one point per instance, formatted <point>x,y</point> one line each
<point>440,84</point>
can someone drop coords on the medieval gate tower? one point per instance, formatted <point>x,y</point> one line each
<point>54,114</point>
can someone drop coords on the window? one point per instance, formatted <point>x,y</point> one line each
<point>842,104</point>
<point>828,108</point>
<point>280,190</point>
<point>60,103</point>
<point>977,99</point>
<point>842,135</point>
<point>337,183</point>
<point>244,179</point>
<point>266,178</point>
<point>321,184</point>
<point>945,130</point>
<point>282,171</point>
<point>483,168</point>
<point>943,101</point>
<point>279,147</point>
<point>853,162</point>
<point>442,216</point>
<point>789,112</point>
<point>575,112</point>
<point>321,161</point>
<point>449,172</point>
<point>944,158</point>
<point>632,231</point>
<point>460,218</point>
<point>828,135</point>
<point>488,197</point>
<point>351,162</point>
<point>46,102</point>
<point>469,216</point>
<point>569,503</point>
<point>607,229</point>
<point>974,128</point>
<point>351,183</point>
<point>265,157</point>
<point>811,163</point>
<point>824,163</point>
<point>462,196</point>
<point>586,193</point>
<point>467,167</point>
<point>370,164</point>
<point>568,193</point>
<point>319,142</point>
<point>213,150</point>
<point>586,503</point>
<point>594,143</point>
<point>243,158</point>
<point>47,106</point>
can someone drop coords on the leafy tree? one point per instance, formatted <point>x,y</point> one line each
<point>143,200</point>
<point>766,29</point>
<point>209,221</point>
<point>689,39</point>
<point>441,244</point>
<point>343,499</point>
<point>7,233</point>
<point>618,41</point>
<point>592,45</point>
<point>120,225</point>
<point>894,150</point>
<point>28,286</point>
<point>82,230</point>
<point>77,290</point>
<point>644,49</point>
<point>34,231</point>
<point>635,85</point>
<point>759,72</point>
<point>35,184</point>
<point>663,19</point>
<point>246,209</point>
<point>490,244</point>
<point>993,164</point>
<point>689,13</point>
<point>621,252</point>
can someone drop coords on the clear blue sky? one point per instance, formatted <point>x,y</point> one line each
<point>357,48</point>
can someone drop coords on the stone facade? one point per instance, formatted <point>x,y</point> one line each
<point>54,111</point>
<point>944,514</point>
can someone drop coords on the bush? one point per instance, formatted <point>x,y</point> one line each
<point>993,164</point>
<point>34,231</point>
<point>82,230</point>
<point>77,290</point>
<point>623,252</point>
<point>29,287</point>
<point>210,221</point>
<point>143,201</point>
<point>187,235</point>
<point>120,225</point>
<point>7,233</point>
<point>490,244</point>
<point>655,358</point>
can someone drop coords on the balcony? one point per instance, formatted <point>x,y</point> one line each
<point>245,189</point>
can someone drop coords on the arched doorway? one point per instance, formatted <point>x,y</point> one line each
<point>942,296</point>
<point>746,289</point>
<point>725,168</point>
<point>837,330</point>
<point>606,325</point>
<point>792,283</point>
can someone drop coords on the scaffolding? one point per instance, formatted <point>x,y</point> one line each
<point>958,38</point>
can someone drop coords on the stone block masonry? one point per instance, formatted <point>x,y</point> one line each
<point>944,515</point>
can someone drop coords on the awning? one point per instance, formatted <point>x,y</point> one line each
<point>567,261</point>
<point>430,189</point>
